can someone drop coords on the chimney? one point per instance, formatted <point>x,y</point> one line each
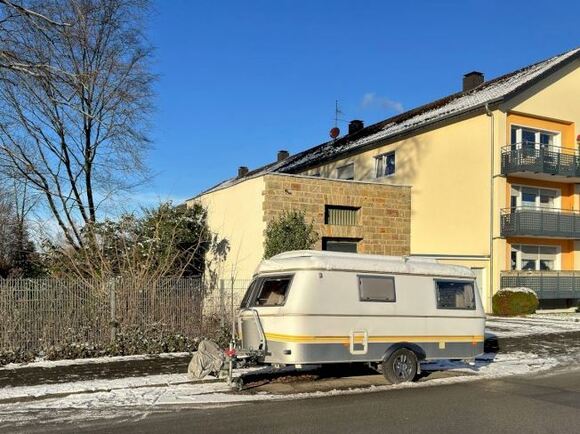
<point>282,155</point>
<point>472,79</point>
<point>355,125</point>
<point>242,171</point>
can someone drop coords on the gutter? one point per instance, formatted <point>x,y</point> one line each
<point>489,113</point>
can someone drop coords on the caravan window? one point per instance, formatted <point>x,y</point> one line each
<point>273,291</point>
<point>376,288</point>
<point>455,295</point>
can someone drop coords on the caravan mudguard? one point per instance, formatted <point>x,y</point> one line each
<point>408,345</point>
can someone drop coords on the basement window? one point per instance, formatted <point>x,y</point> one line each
<point>341,215</point>
<point>345,245</point>
<point>455,295</point>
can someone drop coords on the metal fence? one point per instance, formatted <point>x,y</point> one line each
<point>38,313</point>
<point>548,285</point>
<point>547,222</point>
<point>553,161</point>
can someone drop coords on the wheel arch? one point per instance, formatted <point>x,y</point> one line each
<point>419,352</point>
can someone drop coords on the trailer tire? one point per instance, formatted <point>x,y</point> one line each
<point>400,366</point>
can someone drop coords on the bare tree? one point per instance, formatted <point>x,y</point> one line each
<point>73,120</point>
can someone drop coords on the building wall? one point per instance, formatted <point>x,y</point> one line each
<point>240,213</point>
<point>449,170</point>
<point>552,104</point>
<point>384,216</point>
<point>235,213</point>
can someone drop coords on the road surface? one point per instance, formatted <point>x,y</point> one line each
<point>540,404</point>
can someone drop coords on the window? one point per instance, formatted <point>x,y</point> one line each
<point>347,245</point>
<point>455,295</point>
<point>376,288</point>
<point>345,172</point>
<point>340,215</point>
<point>534,258</point>
<point>531,139</point>
<point>385,165</point>
<point>268,291</point>
<point>531,197</point>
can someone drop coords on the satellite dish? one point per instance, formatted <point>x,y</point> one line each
<point>334,133</point>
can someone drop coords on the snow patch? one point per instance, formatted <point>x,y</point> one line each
<point>41,363</point>
<point>520,289</point>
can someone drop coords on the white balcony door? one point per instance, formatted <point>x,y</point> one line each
<point>529,138</point>
<point>535,258</point>
<point>533,197</point>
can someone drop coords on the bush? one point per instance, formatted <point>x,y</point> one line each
<point>289,231</point>
<point>514,301</point>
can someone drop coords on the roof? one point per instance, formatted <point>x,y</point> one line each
<point>489,92</point>
<point>324,260</point>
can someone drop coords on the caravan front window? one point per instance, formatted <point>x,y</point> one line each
<point>273,291</point>
<point>455,295</point>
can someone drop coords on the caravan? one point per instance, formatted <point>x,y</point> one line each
<point>311,307</point>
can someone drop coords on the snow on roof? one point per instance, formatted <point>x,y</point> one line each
<point>324,260</point>
<point>488,92</point>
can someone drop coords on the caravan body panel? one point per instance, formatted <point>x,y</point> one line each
<point>324,317</point>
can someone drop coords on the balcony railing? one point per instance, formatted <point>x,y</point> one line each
<point>537,158</point>
<point>549,285</point>
<point>542,222</point>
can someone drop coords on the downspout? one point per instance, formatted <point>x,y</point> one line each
<point>489,113</point>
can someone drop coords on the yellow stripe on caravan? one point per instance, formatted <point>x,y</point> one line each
<point>380,339</point>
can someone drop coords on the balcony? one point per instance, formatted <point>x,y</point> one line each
<point>540,222</point>
<point>549,285</point>
<point>537,161</point>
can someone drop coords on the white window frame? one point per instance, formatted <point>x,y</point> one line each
<point>557,135</point>
<point>346,165</point>
<point>381,162</point>
<point>518,248</point>
<point>520,187</point>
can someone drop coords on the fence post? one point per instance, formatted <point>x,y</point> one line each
<point>222,303</point>
<point>113,305</point>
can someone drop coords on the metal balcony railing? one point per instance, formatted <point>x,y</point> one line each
<point>542,222</point>
<point>548,285</point>
<point>538,158</point>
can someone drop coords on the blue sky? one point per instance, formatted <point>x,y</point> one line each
<point>240,80</point>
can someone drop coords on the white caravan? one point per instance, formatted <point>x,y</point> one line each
<point>312,307</point>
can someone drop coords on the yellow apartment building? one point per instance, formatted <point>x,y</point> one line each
<point>494,178</point>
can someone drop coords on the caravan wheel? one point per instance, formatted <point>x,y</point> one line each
<point>401,366</point>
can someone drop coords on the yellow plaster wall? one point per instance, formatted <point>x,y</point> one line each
<point>236,213</point>
<point>449,171</point>
<point>553,104</point>
<point>556,98</point>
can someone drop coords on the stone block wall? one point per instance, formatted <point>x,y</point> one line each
<point>384,217</point>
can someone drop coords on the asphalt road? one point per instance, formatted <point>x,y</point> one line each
<point>543,404</point>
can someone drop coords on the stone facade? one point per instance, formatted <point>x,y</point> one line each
<point>383,220</point>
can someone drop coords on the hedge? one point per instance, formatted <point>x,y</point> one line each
<point>514,301</point>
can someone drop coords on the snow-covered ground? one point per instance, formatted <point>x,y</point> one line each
<point>533,325</point>
<point>136,396</point>
<point>161,390</point>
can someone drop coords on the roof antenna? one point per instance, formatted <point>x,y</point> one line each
<point>335,132</point>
